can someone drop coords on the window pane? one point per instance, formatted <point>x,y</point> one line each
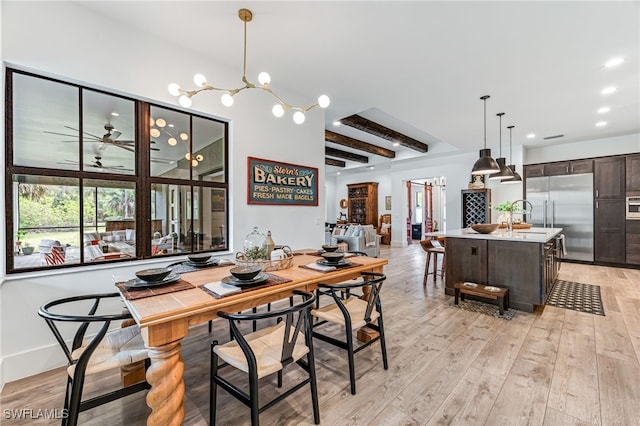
<point>208,146</point>
<point>47,219</point>
<point>108,143</point>
<point>45,123</point>
<point>109,220</point>
<point>170,143</point>
<point>169,205</point>
<point>214,218</point>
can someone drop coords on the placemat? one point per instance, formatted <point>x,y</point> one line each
<point>352,265</point>
<point>139,293</point>
<point>272,280</point>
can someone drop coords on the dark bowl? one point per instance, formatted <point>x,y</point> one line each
<point>152,275</point>
<point>245,273</point>
<point>329,247</point>
<point>485,228</point>
<point>199,258</point>
<point>333,257</point>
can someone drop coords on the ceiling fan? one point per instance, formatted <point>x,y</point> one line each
<point>109,138</point>
<point>97,164</point>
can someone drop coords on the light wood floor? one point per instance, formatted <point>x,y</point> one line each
<point>446,365</point>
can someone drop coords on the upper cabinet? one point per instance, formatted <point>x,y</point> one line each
<point>633,172</point>
<point>561,168</point>
<point>609,176</point>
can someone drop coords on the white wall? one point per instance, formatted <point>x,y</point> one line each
<point>586,149</point>
<point>66,40</point>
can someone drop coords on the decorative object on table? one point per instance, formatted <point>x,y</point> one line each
<point>485,228</point>
<point>516,176</point>
<point>154,274</point>
<point>270,245</point>
<point>264,79</point>
<point>505,210</point>
<point>576,296</point>
<point>245,273</point>
<point>254,245</point>
<point>505,172</point>
<point>485,165</point>
<point>199,258</point>
<point>333,257</point>
<point>275,183</point>
<point>268,265</point>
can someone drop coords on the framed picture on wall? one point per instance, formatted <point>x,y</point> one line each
<point>387,202</point>
<point>217,200</point>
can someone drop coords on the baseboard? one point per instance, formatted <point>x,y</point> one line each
<point>20,365</point>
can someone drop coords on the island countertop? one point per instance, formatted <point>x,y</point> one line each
<point>531,235</point>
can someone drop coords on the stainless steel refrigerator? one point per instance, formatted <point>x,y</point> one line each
<point>565,202</point>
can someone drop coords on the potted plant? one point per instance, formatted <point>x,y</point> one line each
<point>27,249</point>
<point>505,211</point>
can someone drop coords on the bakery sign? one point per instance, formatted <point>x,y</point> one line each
<point>271,182</point>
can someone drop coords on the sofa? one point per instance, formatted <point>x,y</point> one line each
<point>362,238</point>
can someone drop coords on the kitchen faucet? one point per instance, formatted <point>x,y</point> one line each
<point>525,211</point>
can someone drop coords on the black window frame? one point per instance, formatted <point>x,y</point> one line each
<point>141,176</point>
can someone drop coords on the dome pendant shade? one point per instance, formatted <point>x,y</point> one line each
<point>505,171</point>
<point>485,164</point>
<point>516,176</point>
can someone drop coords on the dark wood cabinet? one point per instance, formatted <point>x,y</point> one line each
<point>556,169</point>
<point>609,231</point>
<point>468,261</point>
<point>535,170</point>
<point>633,242</point>
<point>633,173</point>
<point>559,168</point>
<point>609,177</point>
<point>362,203</point>
<point>580,166</point>
<point>476,206</point>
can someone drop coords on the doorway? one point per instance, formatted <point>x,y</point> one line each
<point>427,211</point>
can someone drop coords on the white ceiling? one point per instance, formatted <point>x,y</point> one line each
<point>421,67</point>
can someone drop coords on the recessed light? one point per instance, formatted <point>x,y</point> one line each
<point>170,125</point>
<point>115,114</point>
<point>604,110</point>
<point>372,167</point>
<point>531,135</point>
<point>614,62</point>
<point>338,173</point>
<point>337,123</point>
<point>608,90</point>
<point>396,144</point>
<point>601,123</point>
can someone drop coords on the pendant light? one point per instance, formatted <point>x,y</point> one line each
<point>516,176</point>
<point>485,165</point>
<point>505,172</point>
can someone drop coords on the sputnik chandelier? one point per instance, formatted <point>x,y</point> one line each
<point>263,78</point>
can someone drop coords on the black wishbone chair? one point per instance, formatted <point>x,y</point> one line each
<point>352,311</point>
<point>105,350</point>
<point>265,352</point>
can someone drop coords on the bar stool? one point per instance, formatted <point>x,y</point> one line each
<point>434,247</point>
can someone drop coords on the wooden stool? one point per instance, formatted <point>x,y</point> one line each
<point>432,247</point>
<point>501,295</point>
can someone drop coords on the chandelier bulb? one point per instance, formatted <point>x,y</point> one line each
<point>174,89</point>
<point>277,110</point>
<point>187,156</point>
<point>226,99</point>
<point>185,101</point>
<point>154,133</point>
<point>184,136</point>
<point>199,157</point>
<point>194,162</point>
<point>152,122</point>
<point>264,78</point>
<point>160,122</point>
<point>323,101</point>
<point>172,141</point>
<point>298,117</point>
<point>200,80</point>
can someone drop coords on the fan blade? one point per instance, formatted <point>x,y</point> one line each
<point>60,134</point>
<point>86,133</point>
<point>162,161</point>
<point>115,135</point>
<point>154,149</point>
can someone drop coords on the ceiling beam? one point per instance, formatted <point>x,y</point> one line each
<point>334,162</point>
<point>380,131</point>
<point>330,136</point>
<point>332,152</point>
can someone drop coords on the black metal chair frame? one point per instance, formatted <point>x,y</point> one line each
<point>373,280</point>
<point>303,322</point>
<point>73,402</point>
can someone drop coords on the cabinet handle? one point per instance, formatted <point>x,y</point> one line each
<point>596,204</point>
<point>572,168</point>
<point>567,169</point>
<point>596,193</point>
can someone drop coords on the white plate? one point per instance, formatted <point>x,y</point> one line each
<point>492,288</point>
<point>468,284</point>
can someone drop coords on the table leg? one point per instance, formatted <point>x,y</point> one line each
<point>166,396</point>
<point>501,305</point>
<point>456,295</point>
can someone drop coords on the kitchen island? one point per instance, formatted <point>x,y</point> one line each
<point>526,261</point>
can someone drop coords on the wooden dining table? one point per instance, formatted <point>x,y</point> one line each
<point>165,320</point>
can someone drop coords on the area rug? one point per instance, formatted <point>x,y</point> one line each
<point>484,308</point>
<point>576,296</point>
